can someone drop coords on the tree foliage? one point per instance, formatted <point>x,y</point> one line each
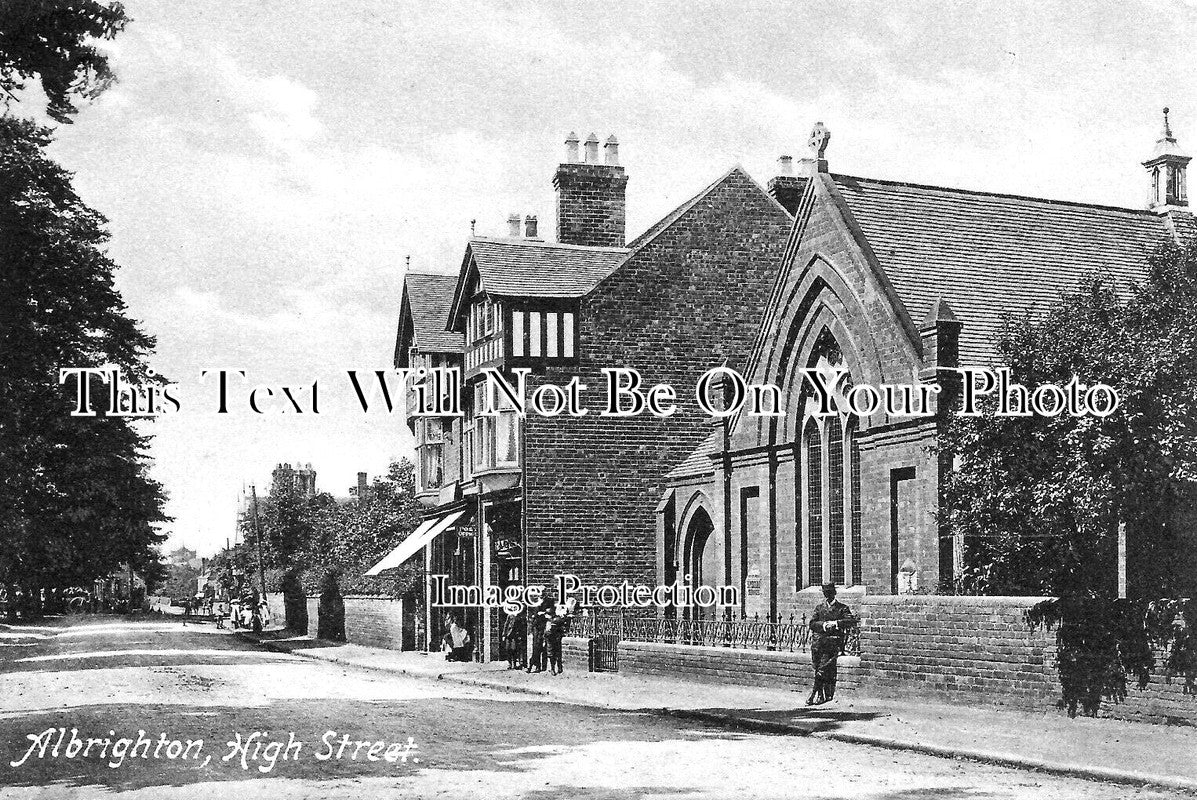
<point>1038,499</point>
<point>54,41</point>
<point>181,581</point>
<point>329,541</point>
<point>349,539</point>
<point>78,501</point>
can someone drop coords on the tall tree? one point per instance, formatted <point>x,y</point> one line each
<point>1039,499</point>
<point>77,500</point>
<point>53,40</point>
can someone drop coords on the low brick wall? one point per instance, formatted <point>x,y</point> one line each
<point>374,622</point>
<point>1161,701</point>
<point>980,651</point>
<point>728,666</point>
<point>956,649</point>
<point>575,653</point>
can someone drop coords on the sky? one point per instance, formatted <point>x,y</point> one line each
<point>268,167</point>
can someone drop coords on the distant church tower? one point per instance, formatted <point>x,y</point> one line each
<point>1167,168</point>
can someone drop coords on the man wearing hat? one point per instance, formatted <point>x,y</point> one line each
<point>829,626</point>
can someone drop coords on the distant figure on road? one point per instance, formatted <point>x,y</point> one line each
<point>458,643</point>
<point>829,623</point>
<point>515,638</point>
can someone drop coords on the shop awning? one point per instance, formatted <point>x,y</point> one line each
<point>420,538</point>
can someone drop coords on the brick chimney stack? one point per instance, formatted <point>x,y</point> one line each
<point>591,205</point>
<point>363,488</point>
<point>513,225</point>
<point>786,187</point>
<point>530,226</point>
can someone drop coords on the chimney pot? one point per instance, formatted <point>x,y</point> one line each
<point>530,226</point>
<point>785,165</point>
<point>571,148</point>
<point>611,151</point>
<point>592,144</point>
<point>513,225</point>
<point>591,205</point>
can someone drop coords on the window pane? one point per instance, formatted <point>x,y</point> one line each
<point>854,460</point>
<point>534,347</point>
<point>567,321</point>
<point>835,499</point>
<point>550,334</point>
<point>517,333</point>
<point>506,438</point>
<point>814,503</point>
<point>432,474</point>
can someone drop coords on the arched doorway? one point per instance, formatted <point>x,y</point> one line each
<point>699,555</point>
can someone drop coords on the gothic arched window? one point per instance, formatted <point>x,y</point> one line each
<point>814,499</point>
<point>831,486</point>
<point>854,488</point>
<point>835,499</point>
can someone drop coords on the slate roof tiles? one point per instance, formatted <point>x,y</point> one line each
<point>989,254</point>
<point>429,297</point>
<point>522,267</point>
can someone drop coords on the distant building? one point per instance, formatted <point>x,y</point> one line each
<point>301,479</point>
<point>183,557</point>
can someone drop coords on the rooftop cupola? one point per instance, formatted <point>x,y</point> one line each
<point>1167,168</point>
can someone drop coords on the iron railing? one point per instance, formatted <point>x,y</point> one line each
<point>778,634</point>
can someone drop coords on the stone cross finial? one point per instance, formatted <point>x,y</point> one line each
<point>1167,127</point>
<point>819,139</point>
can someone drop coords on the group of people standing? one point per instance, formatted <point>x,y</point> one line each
<point>546,624</point>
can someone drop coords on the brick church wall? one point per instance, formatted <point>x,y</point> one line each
<point>687,301</point>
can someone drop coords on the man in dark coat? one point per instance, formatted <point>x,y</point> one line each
<point>829,626</point>
<point>515,638</point>
<point>539,619</point>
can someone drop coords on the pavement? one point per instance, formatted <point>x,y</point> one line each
<point>1102,749</point>
<point>233,719</point>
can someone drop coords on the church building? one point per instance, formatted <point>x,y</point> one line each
<point>882,282</point>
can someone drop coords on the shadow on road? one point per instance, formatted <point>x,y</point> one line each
<point>799,721</point>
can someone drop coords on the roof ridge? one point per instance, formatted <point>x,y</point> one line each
<point>511,240</point>
<point>983,193</point>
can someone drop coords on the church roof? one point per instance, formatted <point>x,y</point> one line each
<point>428,297</point>
<point>992,254</point>
<point>698,463</point>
